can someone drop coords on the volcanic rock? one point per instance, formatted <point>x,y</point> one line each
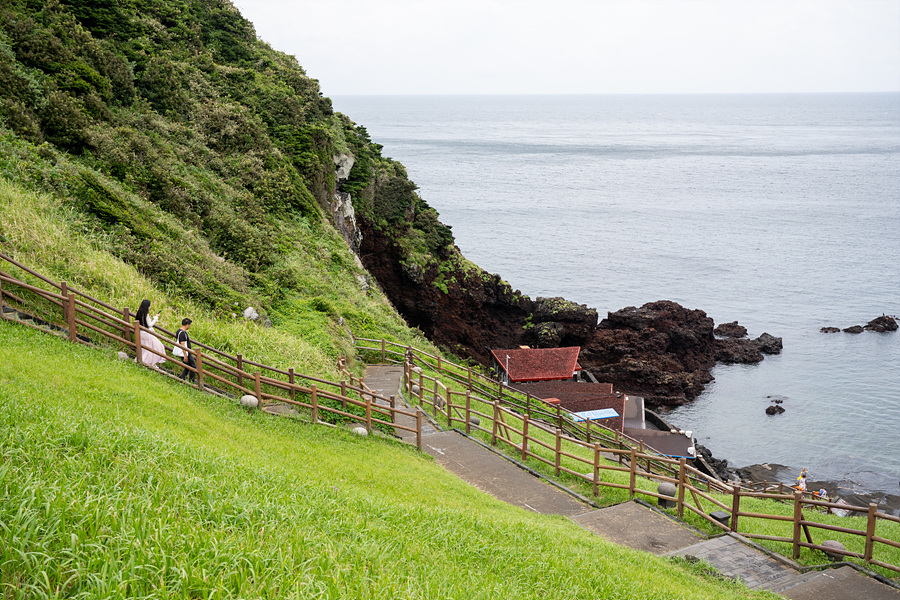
<point>854,329</point>
<point>731,330</point>
<point>769,344</point>
<point>882,324</point>
<point>732,351</point>
<point>775,409</point>
<point>830,330</point>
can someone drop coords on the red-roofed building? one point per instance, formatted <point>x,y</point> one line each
<point>536,364</point>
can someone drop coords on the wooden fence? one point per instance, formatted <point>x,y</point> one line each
<point>526,426</point>
<point>529,431</point>
<point>86,320</point>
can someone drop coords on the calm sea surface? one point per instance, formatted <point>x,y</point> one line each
<point>779,211</point>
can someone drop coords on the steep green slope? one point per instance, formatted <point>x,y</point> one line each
<point>119,483</point>
<point>179,143</point>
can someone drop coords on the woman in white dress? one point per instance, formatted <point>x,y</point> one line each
<point>148,340</point>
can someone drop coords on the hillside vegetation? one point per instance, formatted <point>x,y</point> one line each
<point>118,483</point>
<point>165,135</point>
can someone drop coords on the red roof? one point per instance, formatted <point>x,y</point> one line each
<point>538,364</point>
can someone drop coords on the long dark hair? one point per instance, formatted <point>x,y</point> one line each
<point>142,313</point>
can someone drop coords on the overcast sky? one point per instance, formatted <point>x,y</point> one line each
<point>586,46</point>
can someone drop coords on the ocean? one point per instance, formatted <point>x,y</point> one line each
<point>779,211</point>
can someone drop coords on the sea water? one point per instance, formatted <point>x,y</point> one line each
<point>779,211</point>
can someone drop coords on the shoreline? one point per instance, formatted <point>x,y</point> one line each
<point>777,473</point>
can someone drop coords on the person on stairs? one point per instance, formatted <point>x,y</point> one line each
<point>184,341</point>
<point>152,350</point>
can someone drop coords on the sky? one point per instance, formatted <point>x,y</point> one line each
<point>359,47</point>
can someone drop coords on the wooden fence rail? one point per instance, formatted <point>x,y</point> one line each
<point>529,437</point>
<point>523,426</point>
<point>79,315</point>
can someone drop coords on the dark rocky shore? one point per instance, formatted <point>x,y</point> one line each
<point>661,350</point>
<point>771,472</point>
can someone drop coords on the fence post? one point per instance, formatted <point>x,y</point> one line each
<point>434,399</point>
<point>798,516</point>
<point>72,313</point>
<point>449,408</point>
<point>525,437</point>
<point>870,533</point>
<point>240,369</point>
<point>682,481</point>
<point>257,389</point>
<point>393,408</point>
<point>200,370</point>
<point>558,450</point>
<point>64,291</point>
<point>468,410</point>
<point>528,403</point>
<point>421,388</point>
<point>137,344</point>
<point>632,464</point>
<point>383,353</point>
<point>587,426</point>
<point>735,505</point>
<point>496,419</point>
<point>439,365</point>
<point>344,394</point>
<point>470,379</point>
<point>558,417</point>
<point>314,399</point>
<point>291,380</point>
<point>419,428</point>
<point>369,398</point>
<point>597,469</point>
<point>126,316</point>
<point>1,298</point>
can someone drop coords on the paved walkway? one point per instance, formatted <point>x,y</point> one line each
<point>629,524</point>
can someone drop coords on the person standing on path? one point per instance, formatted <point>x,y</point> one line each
<point>152,350</point>
<point>184,340</point>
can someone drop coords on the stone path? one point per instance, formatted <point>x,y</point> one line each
<point>629,524</point>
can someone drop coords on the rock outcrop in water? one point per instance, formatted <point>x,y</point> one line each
<point>661,351</point>
<point>882,324</point>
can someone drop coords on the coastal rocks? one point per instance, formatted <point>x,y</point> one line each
<point>882,324</point>
<point>774,409</point>
<point>744,351</point>
<point>661,351</point>
<point>731,330</point>
<point>769,344</point>
<point>719,467</point>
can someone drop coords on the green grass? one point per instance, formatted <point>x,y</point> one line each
<point>608,495</point>
<point>120,483</point>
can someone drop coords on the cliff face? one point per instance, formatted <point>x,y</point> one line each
<point>465,309</point>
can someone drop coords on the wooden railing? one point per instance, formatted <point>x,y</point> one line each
<point>87,320</point>
<point>478,387</point>
<point>531,435</point>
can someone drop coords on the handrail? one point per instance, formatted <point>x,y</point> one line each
<point>210,362</point>
<point>521,434</point>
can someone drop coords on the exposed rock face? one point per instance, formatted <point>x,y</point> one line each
<point>341,204</point>
<point>769,344</point>
<point>731,330</point>
<point>882,324</point>
<point>661,351</point>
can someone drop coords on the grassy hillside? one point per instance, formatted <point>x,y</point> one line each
<point>120,483</point>
<point>166,136</point>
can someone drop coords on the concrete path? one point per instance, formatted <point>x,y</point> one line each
<point>629,524</point>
